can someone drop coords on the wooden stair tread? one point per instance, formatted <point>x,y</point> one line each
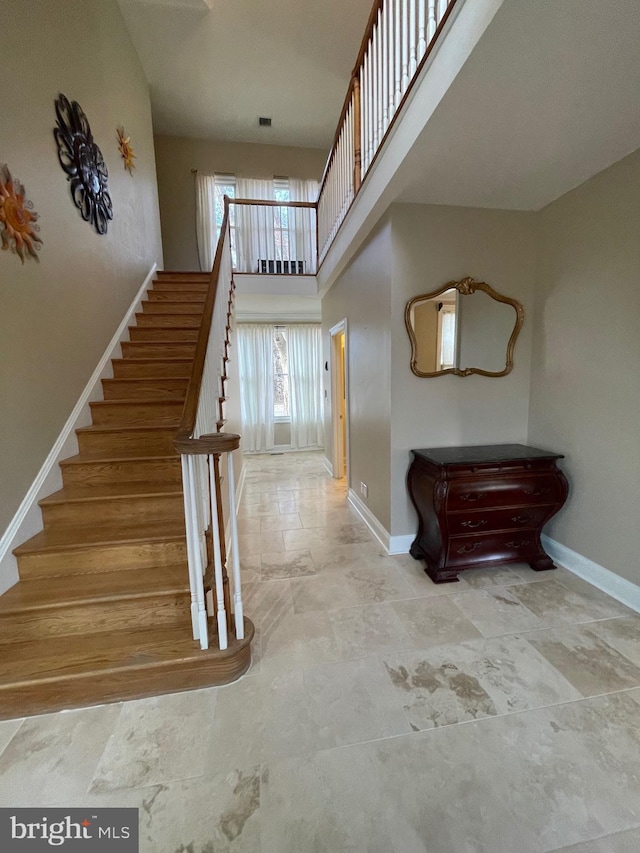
<point>94,655</point>
<point>61,590</point>
<point>99,492</point>
<point>156,361</point>
<point>87,458</point>
<point>128,427</point>
<point>83,537</point>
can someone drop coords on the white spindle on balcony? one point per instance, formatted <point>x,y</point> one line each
<point>394,48</point>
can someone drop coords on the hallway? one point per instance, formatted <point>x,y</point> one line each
<point>382,713</point>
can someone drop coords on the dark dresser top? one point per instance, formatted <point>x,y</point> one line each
<point>485,453</point>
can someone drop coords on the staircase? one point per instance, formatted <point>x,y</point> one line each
<point>102,610</point>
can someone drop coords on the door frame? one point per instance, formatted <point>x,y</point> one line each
<point>340,469</point>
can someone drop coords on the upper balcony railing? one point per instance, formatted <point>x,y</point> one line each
<point>273,237</point>
<point>397,42</point>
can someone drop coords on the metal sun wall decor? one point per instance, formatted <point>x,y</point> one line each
<point>18,228</point>
<point>126,150</point>
<point>83,163</point>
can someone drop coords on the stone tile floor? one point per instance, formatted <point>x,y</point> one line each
<point>382,713</point>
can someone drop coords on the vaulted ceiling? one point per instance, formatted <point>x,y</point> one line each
<point>215,66</point>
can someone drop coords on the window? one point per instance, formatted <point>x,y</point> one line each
<point>226,185</point>
<point>281,409</point>
<point>281,219</point>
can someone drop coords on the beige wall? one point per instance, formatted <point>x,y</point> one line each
<point>177,156</point>
<point>59,314</point>
<point>585,382</point>
<point>431,246</point>
<point>362,295</point>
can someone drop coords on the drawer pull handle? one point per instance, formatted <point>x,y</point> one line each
<point>469,549</point>
<point>519,544</point>
<point>537,492</point>
<point>473,496</point>
<point>521,519</point>
<point>473,524</point>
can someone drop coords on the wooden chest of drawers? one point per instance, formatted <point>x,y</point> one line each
<point>481,506</point>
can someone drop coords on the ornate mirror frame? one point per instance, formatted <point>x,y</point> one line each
<point>465,287</point>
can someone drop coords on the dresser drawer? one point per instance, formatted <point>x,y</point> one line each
<point>502,492</point>
<point>507,545</point>
<point>489,520</point>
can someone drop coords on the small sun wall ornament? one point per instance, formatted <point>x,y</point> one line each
<point>126,150</point>
<point>18,228</point>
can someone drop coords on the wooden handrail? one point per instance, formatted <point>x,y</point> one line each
<point>268,202</point>
<point>212,443</point>
<point>184,436</point>
<point>368,32</point>
<point>336,136</point>
<point>378,4</point>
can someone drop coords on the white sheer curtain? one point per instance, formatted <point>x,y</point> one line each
<point>205,220</point>
<point>255,363</point>
<point>305,385</point>
<point>302,223</point>
<point>255,237</point>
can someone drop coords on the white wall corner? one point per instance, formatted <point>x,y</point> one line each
<point>401,544</point>
<point>28,520</point>
<point>619,588</point>
<point>328,464</point>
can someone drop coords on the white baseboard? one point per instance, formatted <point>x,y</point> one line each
<point>28,521</point>
<point>622,590</point>
<point>328,465</point>
<point>391,544</point>
<point>369,519</point>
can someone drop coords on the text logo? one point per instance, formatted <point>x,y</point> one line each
<point>73,830</point>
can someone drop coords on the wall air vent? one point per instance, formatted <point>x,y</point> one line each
<point>263,121</point>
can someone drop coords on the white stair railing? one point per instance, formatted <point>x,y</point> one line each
<point>201,442</point>
<point>397,41</point>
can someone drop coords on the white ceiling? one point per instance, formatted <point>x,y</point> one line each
<point>213,71</point>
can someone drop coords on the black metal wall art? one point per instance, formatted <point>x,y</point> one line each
<point>83,163</point>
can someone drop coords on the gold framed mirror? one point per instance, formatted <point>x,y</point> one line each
<point>464,327</point>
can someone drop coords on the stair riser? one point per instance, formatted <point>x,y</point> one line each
<point>173,285</point>
<point>178,295</point>
<point>151,508</point>
<point>182,275</point>
<point>169,677</point>
<point>160,333</point>
<point>191,321</point>
<point>126,557</point>
<point>139,442</point>
<point>168,610</point>
<point>151,369</point>
<point>142,349</point>
<point>155,412</point>
<point>122,471</point>
<point>172,308</point>
<point>145,389</point>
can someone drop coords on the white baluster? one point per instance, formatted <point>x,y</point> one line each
<point>422,32</point>
<point>397,95</point>
<point>193,562</point>
<point>379,76</point>
<point>413,64</point>
<point>201,611</point>
<point>235,552</point>
<point>388,10</point>
<point>384,71</point>
<point>221,612</point>
<point>364,112</point>
<point>404,21</point>
<point>442,8</point>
